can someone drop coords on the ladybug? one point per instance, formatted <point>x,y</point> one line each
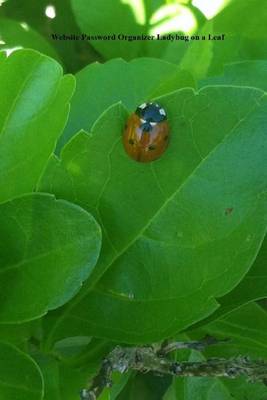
<point>146,133</point>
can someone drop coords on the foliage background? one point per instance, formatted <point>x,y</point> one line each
<point>173,249</point>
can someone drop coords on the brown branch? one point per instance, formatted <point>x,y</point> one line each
<point>147,359</point>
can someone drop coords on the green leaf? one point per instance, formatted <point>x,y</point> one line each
<point>18,334</point>
<point>132,83</point>
<point>240,389</point>
<point>144,387</point>
<point>65,374</point>
<point>48,248</point>
<point>246,73</point>
<point>95,19</point>
<point>16,34</point>
<point>252,287</point>
<point>131,18</point>
<point>61,380</point>
<point>246,327</point>
<point>243,18</point>
<point>20,376</point>
<point>74,54</point>
<point>198,211</point>
<point>34,105</point>
<point>245,39</point>
<point>51,375</point>
<point>32,13</point>
<point>201,50</point>
<point>119,381</point>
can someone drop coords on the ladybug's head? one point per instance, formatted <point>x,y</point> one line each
<point>150,114</point>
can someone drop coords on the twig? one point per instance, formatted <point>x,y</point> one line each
<point>193,345</point>
<point>146,359</point>
<point>100,382</point>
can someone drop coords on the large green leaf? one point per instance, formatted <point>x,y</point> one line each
<point>20,376</point>
<point>34,105</point>
<point>95,19</point>
<point>177,232</point>
<point>246,73</point>
<point>247,329</point>
<point>61,381</point>
<point>119,382</point>
<point>31,13</point>
<point>242,18</point>
<point>243,24</point>
<point>74,54</point>
<point>252,287</point>
<point>101,85</point>
<point>143,387</point>
<point>48,248</point>
<point>50,368</point>
<point>131,18</point>
<point>16,34</point>
<point>201,50</point>
<point>240,389</point>
<point>19,334</point>
<point>66,372</point>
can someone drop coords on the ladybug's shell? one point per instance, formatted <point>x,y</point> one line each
<point>145,146</point>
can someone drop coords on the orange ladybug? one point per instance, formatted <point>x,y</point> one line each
<point>146,134</point>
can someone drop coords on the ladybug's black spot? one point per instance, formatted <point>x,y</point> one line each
<point>151,147</point>
<point>131,141</point>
